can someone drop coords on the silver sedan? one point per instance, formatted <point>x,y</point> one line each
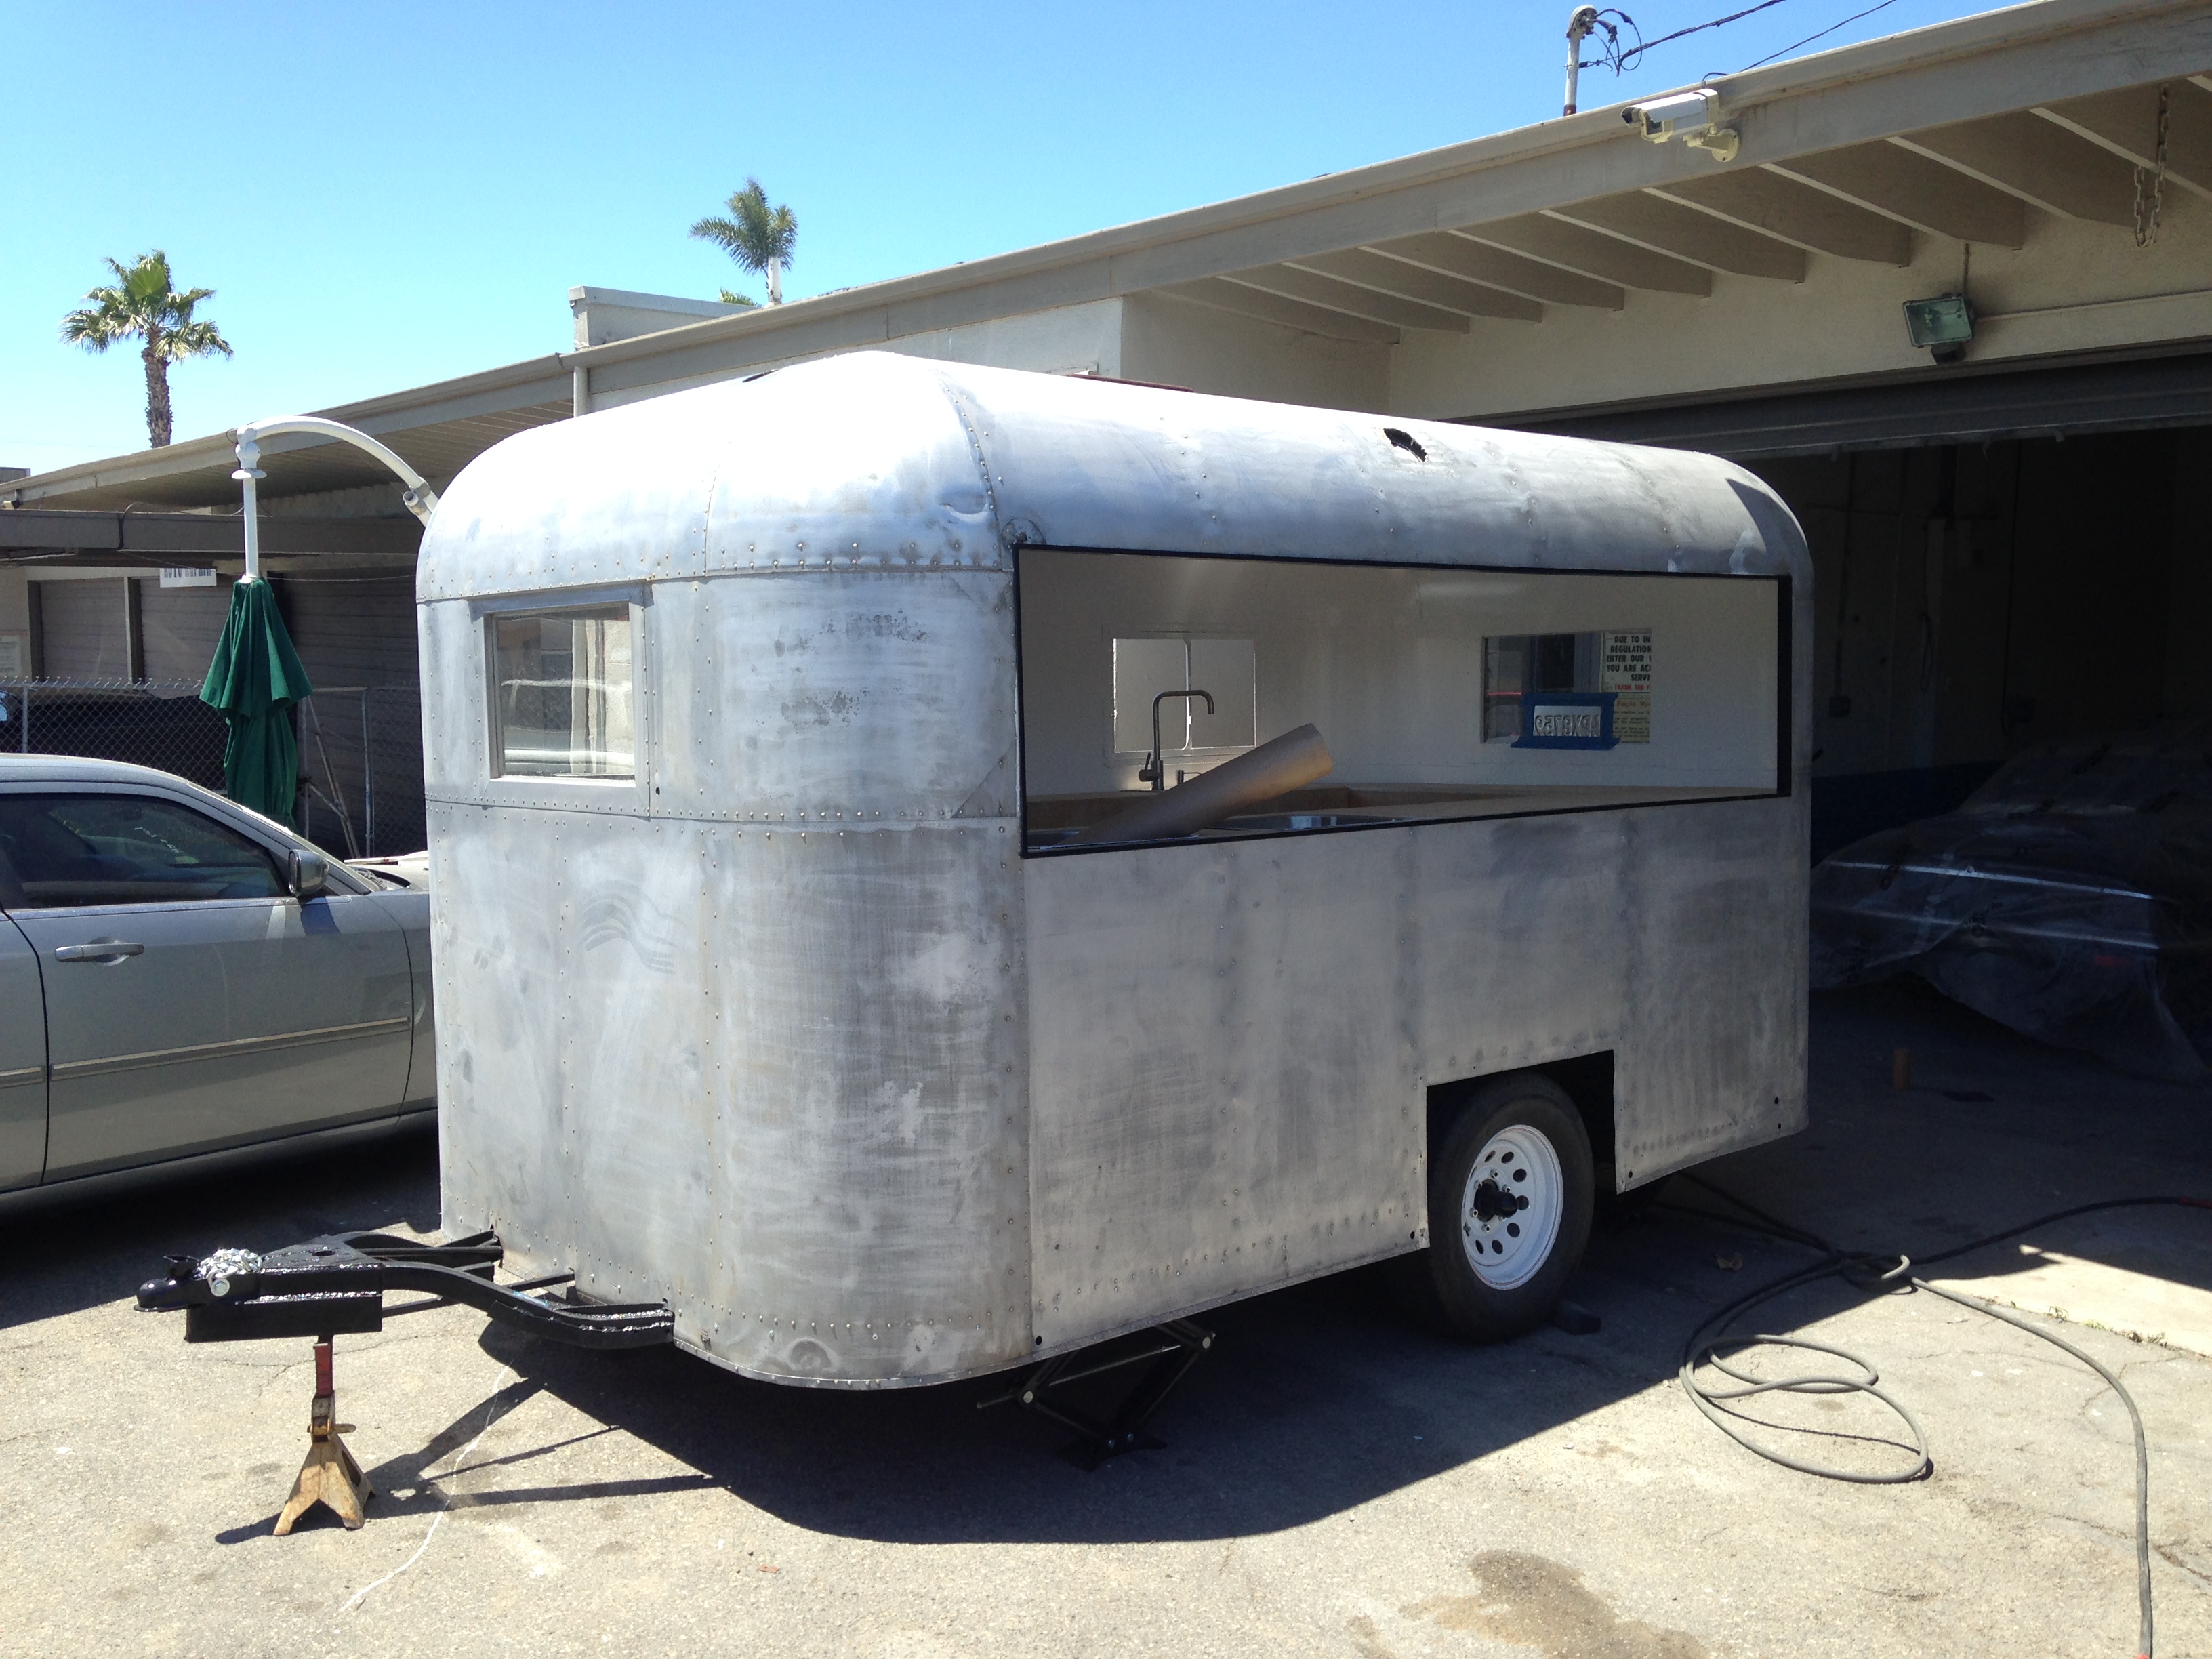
<point>183,983</point>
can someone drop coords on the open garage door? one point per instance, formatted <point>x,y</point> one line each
<point>2001,558</point>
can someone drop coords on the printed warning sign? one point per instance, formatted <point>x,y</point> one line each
<point>1625,662</point>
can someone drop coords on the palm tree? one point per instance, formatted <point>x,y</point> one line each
<point>759,237</point>
<point>143,305</point>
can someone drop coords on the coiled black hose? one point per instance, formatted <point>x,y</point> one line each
<point>1881,1274</point>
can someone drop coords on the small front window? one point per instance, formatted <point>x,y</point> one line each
<point>563,693</point>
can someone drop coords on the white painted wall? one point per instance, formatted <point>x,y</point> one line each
<point>1179,342</point>
<point>1082,339</point>
<point>605,314</point>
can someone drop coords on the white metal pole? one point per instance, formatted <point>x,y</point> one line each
<point>249,475</point>
<point>1578,29</point>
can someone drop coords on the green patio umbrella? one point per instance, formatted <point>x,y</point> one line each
<point>252,683</point>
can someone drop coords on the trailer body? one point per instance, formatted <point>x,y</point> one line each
<point>770,983</point>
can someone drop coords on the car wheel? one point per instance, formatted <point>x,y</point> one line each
<point>1511,1198</point>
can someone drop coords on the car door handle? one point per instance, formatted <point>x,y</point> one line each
<point>100,950</point>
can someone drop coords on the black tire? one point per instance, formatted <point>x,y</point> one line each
<point>1520,1138</point>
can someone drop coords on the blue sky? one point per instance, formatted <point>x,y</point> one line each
<point>386,195</point>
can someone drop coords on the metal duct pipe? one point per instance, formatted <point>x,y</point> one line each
<point>1275,768</point>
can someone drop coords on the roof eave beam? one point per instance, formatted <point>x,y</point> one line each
<point>1663,227</point>
<point>1915,190</point>
<point>2038,161</point>
<point>1220,295</point>
<point>2125,122</point>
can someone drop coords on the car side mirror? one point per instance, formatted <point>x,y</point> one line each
<point>307,873</point>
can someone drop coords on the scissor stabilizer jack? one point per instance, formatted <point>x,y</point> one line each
<point>1173,1348</point>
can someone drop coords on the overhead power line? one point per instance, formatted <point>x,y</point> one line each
<point>1621,57</point>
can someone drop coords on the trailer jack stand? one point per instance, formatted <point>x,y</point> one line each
<point>329,1476</point>
<point>1174,1348</point>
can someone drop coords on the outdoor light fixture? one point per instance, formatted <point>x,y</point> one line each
<point>1942,325</point>
<point>1692,116</point>
<point>415,493</point>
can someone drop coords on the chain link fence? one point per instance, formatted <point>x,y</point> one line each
<point>361,748</point>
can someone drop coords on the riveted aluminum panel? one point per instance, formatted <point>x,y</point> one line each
<point>800,700</point>
<point>1077,465</point>
<point>794,471</point>
<point>1222,1087</point>
<point>1230,1043</point>
<point>773,1076</point>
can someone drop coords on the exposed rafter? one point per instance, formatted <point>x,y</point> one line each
<point>1591,253</point>
<point>1457,255</point>
<point>1386,275</point>
<point>2037,160</point>
<point>1306,286</point>
<point>1669,228</point>
<point>2126,123</point>
<point>1779,205</point>
<point>1916,189</point>
<point>1223,296</point>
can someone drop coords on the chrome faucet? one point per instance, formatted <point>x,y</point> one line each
<point>1155,768</point>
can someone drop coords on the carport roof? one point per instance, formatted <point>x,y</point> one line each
<point>1955,130</point>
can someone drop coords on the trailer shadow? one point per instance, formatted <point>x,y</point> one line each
<point>1316,1400</point>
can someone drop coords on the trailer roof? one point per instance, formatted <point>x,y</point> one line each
<point>880,461</point>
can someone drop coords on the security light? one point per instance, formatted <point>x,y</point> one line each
<point>1942,326</point>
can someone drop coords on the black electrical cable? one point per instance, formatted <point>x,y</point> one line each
<point>1881,5</point>
<point>1884,1276</point>
<point>1620,59</point>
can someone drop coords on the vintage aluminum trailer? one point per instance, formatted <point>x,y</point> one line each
<point>798,963</point>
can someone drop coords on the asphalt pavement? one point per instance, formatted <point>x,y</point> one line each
<point>1333,1481</point>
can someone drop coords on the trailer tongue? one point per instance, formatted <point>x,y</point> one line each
<point>335,1284</point>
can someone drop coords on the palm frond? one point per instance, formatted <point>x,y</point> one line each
<point>725,233</point>
<point>97,326</point>
<point>191,339</point>
<point>754,234</point>
<point>730,299</point>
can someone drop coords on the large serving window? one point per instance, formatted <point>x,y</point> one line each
<point>1436,693</point>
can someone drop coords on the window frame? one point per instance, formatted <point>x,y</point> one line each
<point>555,789</point>
<point>342,880</point>
<point>1785,781</point>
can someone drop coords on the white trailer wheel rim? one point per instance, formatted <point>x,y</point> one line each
<point>1508,1246</point>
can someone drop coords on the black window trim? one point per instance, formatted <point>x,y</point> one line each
<point>1785,781</point>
